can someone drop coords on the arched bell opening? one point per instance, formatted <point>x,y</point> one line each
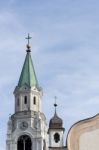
<point>56,137</point>
<point>24,143</point>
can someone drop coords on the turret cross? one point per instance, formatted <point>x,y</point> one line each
<point>28,38</point>
<point>55,105</point>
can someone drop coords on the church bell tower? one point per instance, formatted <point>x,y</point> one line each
<point>56,132</point>
<point>27,128</point>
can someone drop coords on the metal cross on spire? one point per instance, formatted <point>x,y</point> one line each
<point>28,45</point>
<point>55,105</point>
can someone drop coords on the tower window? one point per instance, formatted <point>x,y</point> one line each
<point>44,145</point>
<point>56,137</point>
<point>24,143</point>
<point>18,102</point>
<point>25,99</point>
<point>34,100</point>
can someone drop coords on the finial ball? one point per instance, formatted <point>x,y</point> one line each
<point>28,46</point>
<point>55,105</point>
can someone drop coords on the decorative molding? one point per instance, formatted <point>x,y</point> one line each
<point>79,128</point>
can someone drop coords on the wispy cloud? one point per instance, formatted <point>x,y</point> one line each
<point>65,53</point>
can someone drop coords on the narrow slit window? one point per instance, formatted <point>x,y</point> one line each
<point>34,100</point>
<point>18,102</point>
<point>25,100</point>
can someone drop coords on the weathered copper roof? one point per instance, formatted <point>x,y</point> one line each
<point>28,75</point>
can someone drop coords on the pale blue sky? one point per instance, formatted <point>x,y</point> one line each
<point>65,52</point>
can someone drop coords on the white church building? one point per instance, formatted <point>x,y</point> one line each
<point>27,127</point>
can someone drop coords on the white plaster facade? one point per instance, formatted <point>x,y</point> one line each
<point>32,115</point>
<point>52,142</point>
<point>30,93</point>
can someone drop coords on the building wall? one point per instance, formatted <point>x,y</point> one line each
<point>52,142</point>
<point>84,135</point>
<point>36,130</point>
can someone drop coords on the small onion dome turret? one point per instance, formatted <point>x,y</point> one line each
<point>55,122</point>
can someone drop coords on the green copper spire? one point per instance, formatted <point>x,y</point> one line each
<point>28,75</point>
